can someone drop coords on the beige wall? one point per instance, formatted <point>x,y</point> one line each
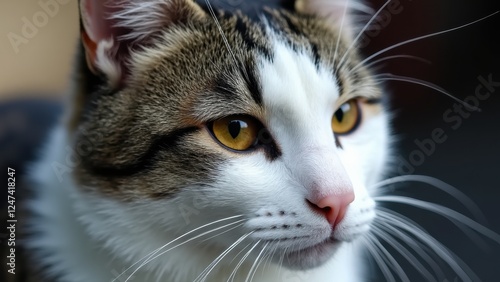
<point>36,56</point>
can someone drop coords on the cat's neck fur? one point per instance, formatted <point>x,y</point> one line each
<point>65,245</point>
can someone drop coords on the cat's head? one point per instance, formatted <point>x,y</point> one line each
<point>263,130</point>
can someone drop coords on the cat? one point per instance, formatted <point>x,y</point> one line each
<point>208,145</point>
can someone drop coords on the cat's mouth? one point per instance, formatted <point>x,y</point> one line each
<point>312,256</point>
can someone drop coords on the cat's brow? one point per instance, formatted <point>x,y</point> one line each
<point>250,84</point>
<point>363,91</point>
<point>147,160</point>
<point>229,96</point>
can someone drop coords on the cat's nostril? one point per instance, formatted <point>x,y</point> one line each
<point>333,207</point>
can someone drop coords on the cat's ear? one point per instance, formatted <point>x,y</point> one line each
<point>337,12</point>
<point>113,29</point>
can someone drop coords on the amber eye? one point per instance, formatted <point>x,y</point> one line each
<point>346,118</point>
<point>236,132</point>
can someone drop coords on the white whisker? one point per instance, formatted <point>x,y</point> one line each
<point>390,259</point>
<point>356,39</point>
<point>196,237</point>
<point>378,258</point>
<point>241,251</point>
<point>255,264</point>
<point>270,256</point>
<point>420,38</point>
<point>371,64</point>
<point>219,27</point>
<point>416,246</point>
<point>180,244</point>
<point>460,268</point>
<point>233,273</point>
<point>223,232</point>
<point>390,76</point>
<point>441,185</point>
<point>282,257</point>
<point>204,274</point>
<point>448,213</point>
<point>176,239</point>
<point>344,13</point>
<point>389,238</point>
<point>224,38</point>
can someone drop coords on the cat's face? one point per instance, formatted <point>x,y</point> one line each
<point>260,129</point>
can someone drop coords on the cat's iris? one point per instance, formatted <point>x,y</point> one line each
<point>346,118</point>
<point>236,132</point>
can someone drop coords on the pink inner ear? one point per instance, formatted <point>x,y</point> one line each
<point>98,27</point>
<point>95,16</point>
<point>113,29</point>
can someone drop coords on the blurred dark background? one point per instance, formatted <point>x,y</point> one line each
<point>468,159</point>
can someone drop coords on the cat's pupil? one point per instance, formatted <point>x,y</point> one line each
<point>339,115</point>
<point>234,127</point>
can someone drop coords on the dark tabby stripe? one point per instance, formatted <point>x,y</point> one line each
<point>229,91</point>
<point>147,160</point>
<point>252,83</point>
<point>251,8</point>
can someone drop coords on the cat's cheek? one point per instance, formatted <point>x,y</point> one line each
<point>363,156</point>
<point>369,145</point>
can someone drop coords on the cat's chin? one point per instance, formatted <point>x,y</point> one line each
<point>311,257</point>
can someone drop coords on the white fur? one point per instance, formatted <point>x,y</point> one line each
<point>143,17</point>
<point>106,51</point>
<point>86,237</point>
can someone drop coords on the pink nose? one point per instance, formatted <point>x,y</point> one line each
<point>334,207</point>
